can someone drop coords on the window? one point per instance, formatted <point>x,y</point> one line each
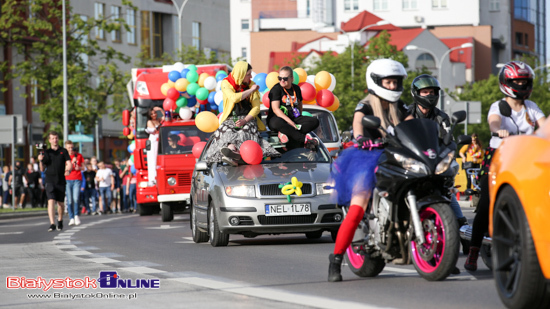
<point>380,5</point>
<point>196,35</point>
<point>519,38</point>
<point>245,24</point>
<point>131,21</point>
<point>243,52</point>
<point>494,5</point>
<point>526,42</point>
<point>145,34</point>
<point>409,5</point>
<point>116,35</point>
<point>439,4</point>
<point>99,14</point>
<point>157,35</point>
<point>350,5</point>
<point>425,60</point>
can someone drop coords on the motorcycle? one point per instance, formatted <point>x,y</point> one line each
<point>409,217</point>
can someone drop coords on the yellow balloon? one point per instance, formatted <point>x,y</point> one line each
<point>181,84</point>
<point>334,105</point>
<point>322,80</point>
<point>302,74</point>
<point>130,136</point>
<point>207,122</point>
<point>312,102</point>
<point>288,190</point>
<point>202,77</point>
<point>164,88</point>
<point>171,84</point>
<point>271,79</point>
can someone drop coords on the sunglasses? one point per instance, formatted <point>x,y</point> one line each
<point>283,78</point>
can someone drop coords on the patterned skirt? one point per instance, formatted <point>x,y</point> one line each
<point>227,134</point>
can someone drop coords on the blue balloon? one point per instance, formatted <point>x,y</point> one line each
<point>133,169</point>
<point>174,76</point>
<point>184,73</point>
<point>220,77</point>
<point>220,107</point>
<point>130,150</point>
<point>211,97</point>
<point>259,79</point>
<point>213,106</point>
<point>192,101</point>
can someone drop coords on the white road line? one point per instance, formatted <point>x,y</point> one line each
<point>103,260</point>
<point>142,270</point>
<point>400,270</point>
<point>20,225</point>
<point>11,233</point>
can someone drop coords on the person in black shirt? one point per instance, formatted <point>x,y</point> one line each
<point>285,113</point>
<point>33,185</point>
<point>16,182</point>
<point>89,189</point>
<point>173,147</point>
<point>57,163</point>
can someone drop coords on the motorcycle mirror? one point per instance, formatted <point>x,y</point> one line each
<point>458,117</point>
<point>504,108</point>
<point>370,122</point>
<point>159,114</point>
<point>464,139</point>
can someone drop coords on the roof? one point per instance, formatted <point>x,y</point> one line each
<point>297,45</point>
<point>402,37</point>
<point>464,55</point>
<point>364,19</point>
<point>281,59</point>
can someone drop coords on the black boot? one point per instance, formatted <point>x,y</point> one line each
<point>335,267</point>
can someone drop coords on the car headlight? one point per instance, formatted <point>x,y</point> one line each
<point>410,164</point>
<point>142,184</point>
<point>444,164</point>
<point>324,188</point>
<point>240,191</point>
<point>171,181</point>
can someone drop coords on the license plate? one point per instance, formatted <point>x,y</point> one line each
<point>288,209</point>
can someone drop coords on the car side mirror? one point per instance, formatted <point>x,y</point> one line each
<point>201,166</point>
<point>148,145</point>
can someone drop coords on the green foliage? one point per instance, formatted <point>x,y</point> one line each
<point>93,75</point>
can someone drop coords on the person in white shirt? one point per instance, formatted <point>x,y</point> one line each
<point>105,178</point>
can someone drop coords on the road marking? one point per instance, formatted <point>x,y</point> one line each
<point>400,270</point>
<point>11,233</point>
<point>142,270</point>
<point>21,225</point>
<point>78,252</point>
<point>164,227</point>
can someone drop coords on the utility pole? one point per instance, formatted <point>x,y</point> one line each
<point>180,16</point>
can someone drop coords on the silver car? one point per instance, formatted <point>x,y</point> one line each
<point>249,199</point>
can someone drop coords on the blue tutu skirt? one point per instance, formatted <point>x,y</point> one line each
<point>353,173</point>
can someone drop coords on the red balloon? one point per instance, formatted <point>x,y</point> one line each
<point>251,152</point>
<point>265,99</point>
<point>173,94</point>
<point>253,171</point>
<point>169,104</point>
<point>126,131</point>
<point>182,140</point>
<point>202,102</point>
<point>325,98</point>
<point>197,149</point>
<point>308,91</point>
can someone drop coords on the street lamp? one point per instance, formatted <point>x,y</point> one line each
<point>180,15</point>
<point>379,23</point>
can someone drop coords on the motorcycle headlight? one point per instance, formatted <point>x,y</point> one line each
<point>171,181</point>
<point>324,188</point>
<point>240,191</point>
<point>444,164</point>
<point>411,164</point>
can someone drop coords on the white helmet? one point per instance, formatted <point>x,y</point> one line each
<point>384,68</point>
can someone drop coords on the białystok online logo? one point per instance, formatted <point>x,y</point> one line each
<point>106,280</point>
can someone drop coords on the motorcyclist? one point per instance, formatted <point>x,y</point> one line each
<point>354,176</point>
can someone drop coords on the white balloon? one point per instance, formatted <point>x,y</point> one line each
<point>185,113</point>
<point>178,66</point>
<point>210,83</point>
<point>219,86</point>
<point>311,79</point>
<point>218,97</point>
<point>332,82</point>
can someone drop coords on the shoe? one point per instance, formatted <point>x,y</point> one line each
<point>60,225</point>
<point>226,151</point>
<point>230,161</point>
<point>471,260</point>
<point>311,142</point>
<point>335,267</point>
<point>71,222</point>
<point>76,220</point>
<point>94,213</point>
<point>455,271</point>
<point>99,213</point>
<point>52,228</point>
<point>282,138</point>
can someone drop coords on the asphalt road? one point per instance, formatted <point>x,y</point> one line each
<point>284,271</point>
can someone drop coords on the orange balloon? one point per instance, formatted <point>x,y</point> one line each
<point>322,80</point>
<point>334,105</point>
<point>302,74</point>
<point>202,77</point>
<point>181,84</point>
<point>312,102</point>
<point>164,88</point>
<point>271,79</point>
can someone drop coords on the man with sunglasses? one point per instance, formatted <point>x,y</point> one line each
<point>285,113</point>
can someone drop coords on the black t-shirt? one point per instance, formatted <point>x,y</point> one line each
<point>54,161</point>
<point>364,107</point>
<point>18,177</point>
<point>89,176</point>
<point>277,93</point>
<point>116,173</point>
<point>178,149</point>
<point>32,179</point>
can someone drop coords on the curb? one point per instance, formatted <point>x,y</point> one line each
<point>24,214</point>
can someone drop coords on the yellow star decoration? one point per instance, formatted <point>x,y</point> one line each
<point>292,187</point>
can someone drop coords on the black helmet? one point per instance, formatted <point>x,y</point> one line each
<point>422,82</point>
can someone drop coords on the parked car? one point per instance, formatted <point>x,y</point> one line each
<point>519,214</point>
<point>248,199</point>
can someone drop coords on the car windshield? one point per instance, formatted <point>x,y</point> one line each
<point>180,139</point>
<point>326,130</point>
<point>301,155</point>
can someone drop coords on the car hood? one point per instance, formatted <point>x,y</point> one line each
<point>274,173</point>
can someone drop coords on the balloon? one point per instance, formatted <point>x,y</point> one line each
<point>182,140</point>
<point>174,76</point>
<point>295,78</point>
<point>184,73</point>
<point>322,80</point>
<point>206,122</point>
<point>192,76</point>
<point>334,105</point>
<point>192,67</point>
<point>220,77</point>
<point>173,94</point>
<point>302,75</point>
<point>202,78</point>
<point>311,80</point>
<point>325,98</point>
<point>304,113</point>
<point>253,171</point>
<point>219,86</point>
<point>181,101</point>
<point>193,88</point>
<point>133,169</point>
<point>211,96</point>
<point>186,113</point>
<point>332,82</point>
<point>251,152</point>
<point>171,84</point>
<point>181,84</point>
<point>130,149</point>
<point>221,73</point>
<point>202,102</point>
<point>178,66</point>
<point>259,79</point>
<point>312,102</point>
<point>220,107</point>
<point>169,104</point>
<point>218,98</point>
<point>131,136</point>
<point>271,79</point>
<point>202,94</point>
<point>192,101</point>
<point>308,91</point>
<point>126,131</point>
<point>213,106</point>
<point>164,88</point>
<point>265,99</point>
<point>197,149</point>
<point>210,83</point>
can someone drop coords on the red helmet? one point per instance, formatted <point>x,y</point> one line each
<point>516,70</point>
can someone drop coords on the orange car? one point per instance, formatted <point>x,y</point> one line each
<point>519,219</point>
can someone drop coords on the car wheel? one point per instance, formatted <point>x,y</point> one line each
<point>217,238</point>
<point>198,235</point>
<point>144,210</point>
<point>516,268</point>
<point>314,235</point>
<point>166,212</point>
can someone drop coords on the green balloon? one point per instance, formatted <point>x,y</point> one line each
<point>178,110</point>
<point>192,88</point>
<point>192,77</point>
<point>295,77</point>
<point>202,93</point>
<point>192,68</point>
<point>182,101</point>
<point>304,113</point>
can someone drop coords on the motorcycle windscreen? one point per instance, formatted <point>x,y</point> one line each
<point>421,136</point>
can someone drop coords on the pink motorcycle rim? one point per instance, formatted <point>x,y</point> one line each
<point>434,245</point>
<point>355,259</point>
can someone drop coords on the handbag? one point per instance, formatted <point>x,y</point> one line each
<point>466,165</point>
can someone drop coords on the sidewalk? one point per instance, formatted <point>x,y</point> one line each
<point>11,214</point>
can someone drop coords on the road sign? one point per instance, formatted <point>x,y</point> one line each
<point>473,108</point>
<point>6,129</point>
<point>81,138</point>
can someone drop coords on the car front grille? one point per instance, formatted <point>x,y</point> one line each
<point>264,220</point>
<point>183,179</point>
<point>274,190</point>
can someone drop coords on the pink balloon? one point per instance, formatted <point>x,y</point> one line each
<point>251,152</point>
<point>197,149</point>
<point>169,104</point>
<point>173,94</point>
<point>308,91</point>
<point>265,99</point>
<point>325,98</point>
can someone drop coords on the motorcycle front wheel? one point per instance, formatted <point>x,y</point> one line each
<point>436,257</point>
<point>361,264</point>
